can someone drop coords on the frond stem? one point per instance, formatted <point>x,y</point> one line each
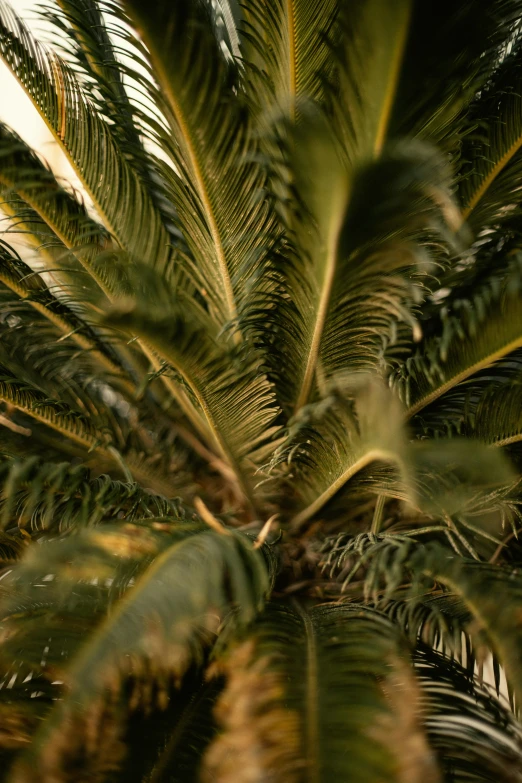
<point>371,456</point>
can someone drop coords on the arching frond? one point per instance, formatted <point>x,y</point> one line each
<point>324,701</point>
<point>227,383</point>
<point>154,571</point>
<point>373,46</point>
<point>479,586</point>
<point>491,163</point>
<point>361,236</point>
<point>332,440</point>
<point>218,185</point>
<point>473,734</point>
<point>93,34</point>
<point>42,496</point>
<point>476,336</point>
<point>81,131</point>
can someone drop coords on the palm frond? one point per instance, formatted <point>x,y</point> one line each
<point>146,578</point>
<point>218,185</point>
<point>370,61</point>
<point>81,131</point>
<point>226,382</point>
<point>40,496</point>
<point>473,337</point>
<point>330,441</point>
<point>32,290</point>
<point>474,735</point>
<point>361,237</point>
<point>93,44</point>
<point>490,164</point>
<point>286,52</point>
<point>324,697</point>
<point>478,585</point>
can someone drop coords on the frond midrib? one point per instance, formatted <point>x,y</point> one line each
<point>313,771</point>
<point>372,455</point>
<point>393,82</point>
<point>493,174</point>
<point>462,376</point>
<point>200,184</point>
<point>321,316</point>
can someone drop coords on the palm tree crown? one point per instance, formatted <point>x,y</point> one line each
<point>261,394</point>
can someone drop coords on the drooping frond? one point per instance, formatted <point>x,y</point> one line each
<point>82,132</point>
<point>93,34</point>
<point>32,290</point>
<point>51,220</point>
<point>41,496</point>
<point>370,60</point>
<point>217,186</point>
<point>157,626</point>
<point>331,696</point>
<point>480,586</point>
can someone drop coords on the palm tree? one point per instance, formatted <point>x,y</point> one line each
<point>261,394</point>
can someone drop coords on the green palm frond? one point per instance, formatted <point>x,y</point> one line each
<point>473,734</point>
<point>227,383</point>
<point>260,372</point>
<point>478,585</point>
<point>332,440</point>
<point>94,48</point>
<point>286,52</point>
<point>324,697</point>
<point>473,337</point>
<point>81,131</point>
<point>359,265</point>
<point>370,65</point>
<point>33,292</point>
<point>56,497</point>
<point>491,163</point>
<point>217,186</point>
<point>124,569</point>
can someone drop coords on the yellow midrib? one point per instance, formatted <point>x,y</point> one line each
<point>373,455</point>
<point>394,72</point>
<point>202,191</point>
<point>462,376</point>
<point>493,174</point>
<point>292,54</point>
<point>320,320</point>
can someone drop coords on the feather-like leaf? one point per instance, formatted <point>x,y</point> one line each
<point>159,626</point>
<point>217,186</point>
<point>331,696</point>
<point>479,334</point>
<point>227,383</point>
<point>82,132</point>
<point>286,51</point>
